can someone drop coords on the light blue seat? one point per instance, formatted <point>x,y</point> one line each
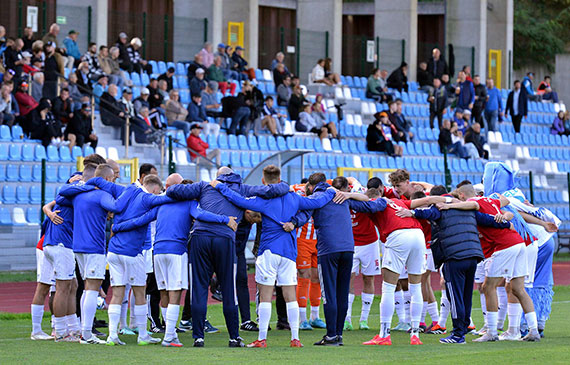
<point>242,142</point>
<point>223,141</point>
<point>22,196</point>
<point>246,159</point>
<point>3,152</point>
<point>252,142</point>
<point>8,194</point>
<point>64,154</point>
<point>88,150</point>
<point>291,143</point>
<point>27,152</point>
<point>262,142</point>
<point>272,144</point>
<point>255,158</point>
<point>5,133</point>
<point>12,173</point>
<point>26,173</point>
<point>344,146</point>
<point>5,217</point>
<point>281,145</point>
<point>76,152</point>
<point>235,159</point>
<point>2,173</point>
<point>318,145</point>
<point>232,142</point>
<point>362,146</point>
<point>17,133</point>
<point>33,215</point>
<point>63,173</point>
<point>52,154</point>
<point>14,152</point>
<point>331,162</point>
<point>313,161</point>
<point>35,194</point>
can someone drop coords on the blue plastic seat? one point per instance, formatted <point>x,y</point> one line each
<point>5,217</point>
<point>344,146</point>
<point>76,152</point>
<point>313,161</point>
<point>362,146</point>
<point>17,133</point>
<point>259,75</point>
<point>88,150</point>
<point>5,133</point>
<point>339,161</point>
<point>252,142</point>
<point>291,143</point>
<point>242,142</point>
<point>349,130</point>
<point>63,173</point>
<point>246,159</point>
<point>14,152</point>
<point>64,154</point>
<point>272,144</point>
<point>33,215</point>
<point>3,152</point>
<point>136,79</point>
<point>27,152</point>
<point>35,194</point>
<point>2,173</point>
<point>8,194</point>
<point>223,141</point>
<point>52,154</point>
<point>317,145</point>
<point>232,142</point>
<point>161,67</point>
<point>51,173</point>
<point>281,145</point>
<point>352,147</point>
<point>235,160</point>
<point>26,173</point>
<point>21,195</point>
<point>12,173</point>
<point>262,142</point>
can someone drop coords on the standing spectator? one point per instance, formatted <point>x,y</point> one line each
<point>480,99</point>
<point>79,130</point>
<point>558,124</point>
<point>105,64</point>
<point>210,100</point>
<point>517,105</point>
<point>437,103</point>
<point>26,102</point>
<point>83,82</point>
<point>90,57</point>
<point>7,112</point>
<point>279,73</point>
<point>197,84</point>
<point>70,45</point>
<point>168,77</point>
<point>176,113</point>
<point>197,145</point>
<point>493,106</point>
<point>139,65</point>
<point>295,103</point>
<point>124,59</point>
<point>376,87</point>
<point>425,79</point>
<point>527,85</point>
<point>207,55</point>
<point>307,123</point>
<point>13,58</point>
<point>50,72</point>
<point>279,58</point>
<point>473,137</point>
<point>467,70</point>
<point>197,114</point>
<point>449,88</point>
<point>449,140</point>
<point>194,66</point>
<point>241,63</point>
<point>270,119</point>
<point>398,79</point>
<point>546,91</point>
<point>41,124</point>
<point>38,82</point>
<point>60,53</point>
<point>284,92</point>
<point>62,107</point>
<point>379,136</point>
<point>28,39</point>
<point>215,73</point>
<point>465,92</point>
<point>436,64</point>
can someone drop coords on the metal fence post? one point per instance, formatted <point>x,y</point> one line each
<point>43,197</point>
<point>89,20</point>
<point>171,164</point>
<point>298,51</point>
<point>377,52</point>
<point>166,37</point>
<point>205,30</point>
<point>327,44</point>
<point>531,186</point>
<point>472,60</point>
<point>282,39</point>
<point>144,35</point>
<point>447,172</point>
<point>403,50</point>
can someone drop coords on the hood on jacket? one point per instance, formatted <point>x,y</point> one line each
<point>322,186</point>
<point>231,178</point>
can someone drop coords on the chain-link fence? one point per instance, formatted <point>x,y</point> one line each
<point>77,18</point>
<point>458,57</point>
<point>189,36</point>
<point>391,53</point>
<point>278,39</point>
<point>354,60</point>
<point>311,47</point>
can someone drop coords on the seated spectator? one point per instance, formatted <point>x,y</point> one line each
<point>402,123</point>
<point>79,130</point>
<point>296,103</point>
<point>124,59</point>
<point>398,79</point>
<point>151,119</point>
<point>163,90</point>
<point>155,99</point>
<point>238,108</point>
<point>567,123</point>
<point>8,75</point>
<point>546,91</point>
<point>38,53</point>
<point>26,103</point>
<point>450,141</point>
<point>168,77</point>
<point>197,147</point>
<point>110,67</point>
<point>40,124</point>
<point>241,63</point>
<point>318,108</point>
<point>437,100</point>
<point>376,87</point>
<point>379,136</point>
<point>28,39</point>
<point>226,63</point>
<point>83,82</point>
<point>461,118</point>
<point>28,69</point>
<point>279,58</point>
<point>194,66</point>
<point>115,66</point>
<point>279,73</point>
<point>112,111</point>
<point>37,85</point>
<point>270,119</point>
<point>90,57</point>
<point>100,87</point>
<point>215,73</point>
<point>70,45</point>
<point>318,74</point>
<point>392,112</point>
<point>8,113</point>
<point>307,123</point>
<point>142,100</point>
<point>62,107</point>
<point>331,76</point>
<point>558,124</point>
<point>284,92</point>
<point>138,64</point>
<point>127,101</point>
<point>474,141</point>
<point>527,85</point>
<point>74,92</point>
<point>210,100</point>
<point>207,55</point>
<point>234,67</point>
<point>424,77</point>
<point>197,114</point>
<point>198,83</point>
<point>176,113</point>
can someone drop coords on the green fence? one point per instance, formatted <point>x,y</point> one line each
<point>310,47</point>
<point>189,37</point>
<point>391,53</point>
<point>462,56</point>
<point>354,60</point>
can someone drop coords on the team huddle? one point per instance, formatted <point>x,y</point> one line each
<point>314,239</point>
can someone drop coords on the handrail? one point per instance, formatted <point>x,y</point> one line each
<point>177,141</point>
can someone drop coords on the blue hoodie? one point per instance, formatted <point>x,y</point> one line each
<point>275,212</point>
<point>60,233</point>
<point>173,223</point>
<point>213,201</point>
<point>466,94</point>
<point>527,83</point>
<point>333,222</point>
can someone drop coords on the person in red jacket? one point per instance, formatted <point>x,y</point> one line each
<point>197,145</point>
<point>26,102</point>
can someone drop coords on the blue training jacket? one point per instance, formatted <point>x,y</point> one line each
<point>56,234</point>
<point>275,212</point>
<point>213,201</point>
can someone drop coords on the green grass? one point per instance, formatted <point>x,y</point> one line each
<point>562,257</point>
<point>17,276</point>
<point>16,347</point>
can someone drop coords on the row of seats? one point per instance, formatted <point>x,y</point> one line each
<point>19,217</point>
<point>21,194</point>
<point>33,173</point>
<point>548,197</point>
<point>37,152</point>
<point>556,154</point>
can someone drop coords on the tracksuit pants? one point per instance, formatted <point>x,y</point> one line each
<point>459,276</point>
<point>334,275</point>
<point>241,282</point>
<point>213,254</point>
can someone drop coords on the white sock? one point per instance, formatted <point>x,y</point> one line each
<point>386,308</point>
<point>314,312</point>
<point>514,311</point>
<point>483,306</point>
<point>293,319</point>
<point>424,312</point>
<point>114,312</point>
<point>141,312</point>
<point>37,315</point>
<point>407,302</point>
<point>471,323</point>
<point>81,304</point>
<point>132,319</point>
<point>125,307</point>
<point>72,323</point>
<point>531,321</point>
<point>444,309</point>
<point>264,317</point>
<point>541,324</point>
<point>433,312</point>
<point>416,306</point>
<point>367,300</point>
<point>503,305</point>
<point>163,312</point>
<point>302,314</point>
<point>89,309</point>
<point>349,311</point>
<point>171,317</point>
<point>52,321</point>
<point>492,322</point>
<point>60,324</point>
<point>399,304</point>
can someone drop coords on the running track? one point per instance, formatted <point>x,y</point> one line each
<point>16,297</point>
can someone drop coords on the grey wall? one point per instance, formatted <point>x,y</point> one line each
<point>500,33</point>
<point>76,14</point>
<point>246,11</point>
<point>188,36</point>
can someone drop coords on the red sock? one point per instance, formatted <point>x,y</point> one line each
<point>315,294</point>
<point>302,291</point>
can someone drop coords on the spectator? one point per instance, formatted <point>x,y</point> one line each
<point>100,87</point>
<point>176,113</point>
<point>127,101</point>
<point>241,63</point>
<point>480,99</point>
<point>74,92</point>
<point>168,77</point>
<point>379,136</point>
<point>142,100</point>
<point>465,92</point>
<point>163,90</point>
<point>215,73</point>
<point>493,106</point>
<point>558,124</point>
<point>517,105</point>
<point>139,65</point>
<point>28,39</point>
<point>7,102</point>
<point>124,59</point>
<point>70,45</point>
<point>567,123</point>
<point>270,119</point>
<point>197,84</point>
<point>210,100</point>
<point>318,74</point>
<point>227,63</point>
<point>255,100</point>
<point>79,130</point>
<point>194,66</point>
<point>13,58</point>
<point>279,58</point>
<point>155,99</point>
<point>50,72</point>
<point>467,70</point>
<point>112,111</point>
<point>449,88</point>
<point>62,107</point>
<point>425,79</point>
<point>2,38</point>
<point>437,100</point>
<point>393,116</point>
<point>197,147</point>
<point>207,55</point>
<point>38,82</point>
<point>402,123</point>
<point>60,54</point>
<point>376,86</point>
<point>40,124</point>
<point>116,74</point>
<point>7,76</point>
<point>38,51</point>
<point>90,57</point>
<point>197,114</point>
<point>26,103</point>
<point>234,66</point>
<point>473,139</point>
<point>527,85</point>
<point>436,64</point>
<point>307,123</point>
<point>238,108</point>
<point>462,118</point>
<point>279,73</point>
<point>398,79</point>
<point>296,103</point>
<point>284,92</point>
<point>545,90</point>
<point>331,76</point>
<point>28,68</point>
<point>152,121</point>
<point>144,133</point>
<point>83,82</point>
<point>449,140</point>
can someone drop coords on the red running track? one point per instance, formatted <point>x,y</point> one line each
<point>17,297</point>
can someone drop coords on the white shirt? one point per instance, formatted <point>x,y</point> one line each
<point>516,95</point>
<point>318,73</point>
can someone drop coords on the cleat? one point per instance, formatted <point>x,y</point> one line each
<point>208,328</point>
<point>327,341</point>
<point>92,341</point>
<point>487,337</point>
<point>472,330</point>
<point>508,336</point>
<point>148,341</point>
<point>348,326</point>
<point>404,327</point>
<point>76,336</point>
<point>157,329</point>
<point>415,340</point>
<point>236,342</point>
<point>296,343</point>
<point>127,331</point>
<point>532,337</point>
<point>452,339</point>
<point>541,332</point>
<point>317,323</point>
<point>363,325</point>
<point>175,342</point>
<point>114,341</point>
<point>283,325</point>
<point>422,327</point>
<point>380,341</point>
<point>65,338</point>
<point>181,330</point>
<point>339,340</point>
<point>482,331</point>
<point>186,325</point>
<point>249,326</point>
<point>199,342</point>
<point>305,326</point>
<point>40,336</point>
<point>436,330</point>
<point>97,333</point>
<point>258,343</point>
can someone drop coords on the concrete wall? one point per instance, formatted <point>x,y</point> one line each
<point>76,14</point>
<point>500,33</point>
<point>246,11</point>
<point>561,80</point>
<point>188,35</point>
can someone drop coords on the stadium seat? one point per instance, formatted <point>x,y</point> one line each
<point>280,143</point>
<point>232,142</point>
<point>242,142</point>
<point>17,133</point>
<point>14,152</point>
<point>18,216</point>
<point>313,162</point>
<point>136,79</point>
<point>271,143</point>
<point>291,143</point>
<point>64,154</point>
<point>76,152</point>
<point>235,159</point>
<point>246,159</point>
<point>27,152</point>
<point>21,194</point>
<point>5,133</point>
<point>255,158</point>
<point>8,194</point>
<point>12,173</point>
<point>52,153</point>
<point>5,218</point>
<point>318,146</point>
<point>3,152</point>
<point>113,153</point>
<point>63,173</point>
<point>35,194</point>
<point>25,173</point>
<point>252,142</point>
<point>262,142</point>
<point>33,215</point>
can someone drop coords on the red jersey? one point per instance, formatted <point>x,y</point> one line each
<point>363,229</point>
<point>307,232</point>
<point>40,245</point>
<point>494,239</point>
<point>390,193</point>
<point>387,221</point>
<point>426,228</point>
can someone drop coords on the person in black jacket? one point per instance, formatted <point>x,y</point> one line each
<point>62,107</point>
<point>295,103</point>
<point>240,63</point>
<point>194,66</point>
<point>124,59</point>
<point>40,123</point>
<point>398,79</point>
<point>79,130</point>
<point>473,135</point>
<point>480,99</point>
<point>376,139</point>
<point>437,100</point>
<point>168,77</point>
<point>517,105</point>
<point>50,72</point>
<point>436,64</point>
<point>425,79</point>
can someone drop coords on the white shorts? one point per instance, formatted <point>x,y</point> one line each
<point>126,270</point>
<point>91,265</point>
<point>366,259</point>
<point>171,271</point>
<point>430,265</point>
<point>147,254</point>
<point>404,275</point>
<point>271,268</point>
<point>480,272</point>
<point>531,253</point>
<point>45,273</point>
<point>508,263</point>
<point>62,260</point>
<point>405,248</point>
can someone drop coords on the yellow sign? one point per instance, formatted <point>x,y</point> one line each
<point>235,34</point>
<point>495,59</point>
<point>340,171</point>
<point>129,170</point>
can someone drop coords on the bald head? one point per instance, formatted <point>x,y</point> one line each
<point>224,170</point>
<point>116,168</point>
<point>173,179</point>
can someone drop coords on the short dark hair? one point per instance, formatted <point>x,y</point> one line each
<point>438,190</point>
<point>152,180</point>
<point>373,193</point>
<point>547,77</point>
<point>464,182</point>
<point>375,183</point>
<point>304,180</point>
<point>89,171</point>
<point>64,89</point>
<point>269,97</point>
<point>418,195</point>
<point>186,182</point>
<point>95,159</point>
<point>398,101</point>
<point>271,174</point>
<point>91,44</point>
<point>102,47</point>
<point>316,178</point>
<point>514,83</point>
<point>340,183</point>
<point>146,168</point>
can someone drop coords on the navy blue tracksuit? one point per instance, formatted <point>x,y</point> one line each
<point>242,289</point>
